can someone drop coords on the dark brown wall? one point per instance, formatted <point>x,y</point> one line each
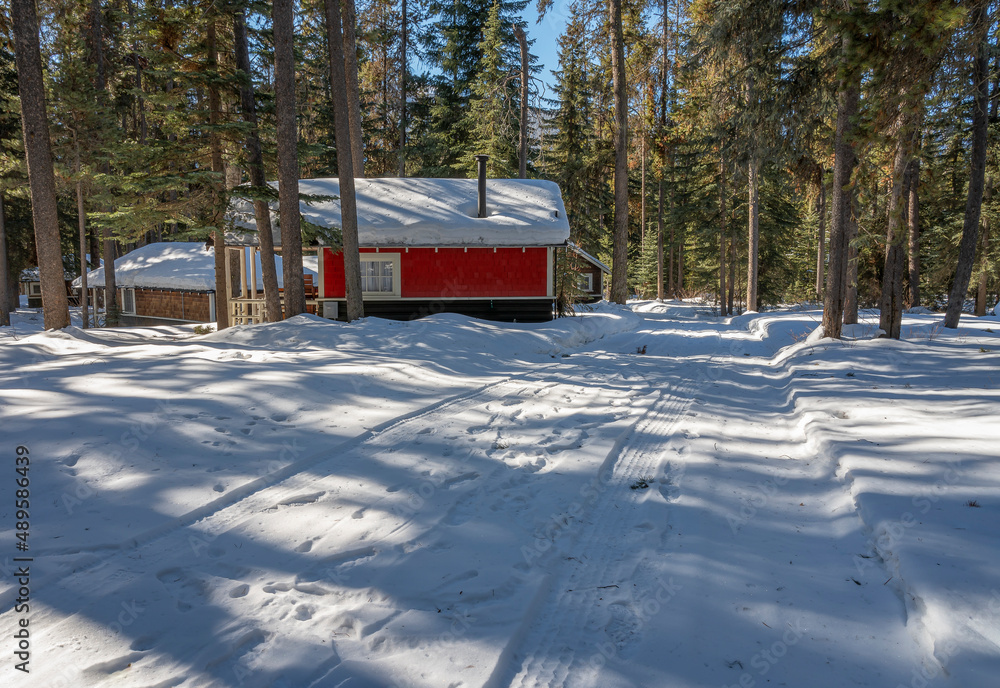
<point>157,303</point>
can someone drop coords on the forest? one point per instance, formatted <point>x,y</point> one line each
<point>750,152</point>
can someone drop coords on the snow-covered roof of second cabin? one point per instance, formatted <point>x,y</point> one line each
<point>176,265</point>
<point>436,212</point>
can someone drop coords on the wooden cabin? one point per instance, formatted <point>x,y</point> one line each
<point>169,282</point>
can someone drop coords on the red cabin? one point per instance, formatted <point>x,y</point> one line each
<point>424,250</point>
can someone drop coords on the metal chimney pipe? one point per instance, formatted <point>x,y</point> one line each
<point>481,165</point>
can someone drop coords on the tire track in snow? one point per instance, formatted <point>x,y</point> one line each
<point>545,651</point>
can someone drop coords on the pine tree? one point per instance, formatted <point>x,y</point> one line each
<point>452,42</point>
<point>492,119</point>
<point>34,124</point>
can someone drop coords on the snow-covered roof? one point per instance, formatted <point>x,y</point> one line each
<point>180,265</point>
<point>437,212</point>
<point>586,256</point>
<point>34,275</point>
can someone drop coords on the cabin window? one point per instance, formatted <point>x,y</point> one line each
<point>128,301</point>
<point>380,274</point>
<point>586,281</point>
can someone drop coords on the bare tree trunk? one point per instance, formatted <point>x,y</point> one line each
<point>753,237</point>
<point>642,196</point>
<point>891,302</point>
<point>288,157</point>
<point>913,227</point>
<point>974,202</point>
<point>664,62</point>
<point>732,274</point>
<point>81,214</point>
<point>619,251</point>
<point>984,272</point>
<point>350,52</point>
<point>722,236</point>
<point>671,254</point>
<point>845,159</point>
<point>140,105</point>
<point>851,293</point>
<point>522,153</point>
<point>672,260</point>
<point>821,250</point>
<point>255,161</point>
<point>348,206</point>
<point>109,247</point>
<point>41,177</point>
<point>403,71</point>
<point>680,268</point>
<point>218,205</point>
<point>4,270</point>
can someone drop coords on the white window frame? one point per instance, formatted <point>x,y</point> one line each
<point>586,282</point>
<point>34,288</point>
<point>392,258</point>
<point>128,293</point>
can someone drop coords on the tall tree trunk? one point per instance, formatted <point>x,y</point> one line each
<point>642,197</point>
<point>522,151</point>
<point>288,156</point>
<point>731,300</point>
<point>984,275</point>
<point>891,301</point>
<point>753,237</point>
<point>4,270</point>
<point>345,172</point>
<point>619,251</point>
<point>844,161</point>
<point>41,177</point>
<point>671,278</point>
<point>403,72</point>
<point>722,236</point>
<point>659,244</point>
<point>851,293</point>
<point>140,105</point>
<point>913,227</point>
<point>680,268</point>
<point>218,203</point>
<point>255,162</point>
<point>974,201</point>
<point>109,244</point>
<point>350,53</point>
<point>81,214</point>
<point>821,250</point>
<point>664,62</point>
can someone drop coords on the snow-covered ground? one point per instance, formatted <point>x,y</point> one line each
<point>642,496</point>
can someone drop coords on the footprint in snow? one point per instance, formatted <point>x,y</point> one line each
<point>239,591</point>
<point>115,665</point>
<point>143,643</point>
<point>187,590</point>
<point>242,646</point>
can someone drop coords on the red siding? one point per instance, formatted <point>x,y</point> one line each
<point>455,272</point>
